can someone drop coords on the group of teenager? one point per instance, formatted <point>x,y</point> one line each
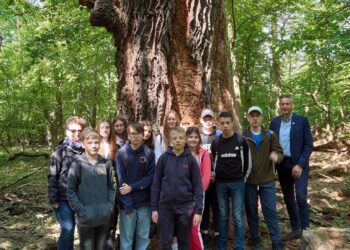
<point>177,178</point>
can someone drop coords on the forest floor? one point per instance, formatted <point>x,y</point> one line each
<point>27,221</point>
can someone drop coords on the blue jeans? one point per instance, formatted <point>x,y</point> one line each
<point>295,194</point>
<point>267,194</point>
<point>137,224</point>
<point>65,217</point>
<point>235,191</point>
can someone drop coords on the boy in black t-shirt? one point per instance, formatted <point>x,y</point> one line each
<point>232,166</point>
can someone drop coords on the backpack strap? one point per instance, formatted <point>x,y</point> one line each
<point>240,145</point>
<point>124,156</point>
<point>147,152</point>
<point>216,150</point>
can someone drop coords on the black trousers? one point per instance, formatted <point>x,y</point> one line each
<point>172,222</point>
<point>110,236</point>
<point>92,238</point>
<point>210,201</point>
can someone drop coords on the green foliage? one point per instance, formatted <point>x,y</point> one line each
<point>311,43</point>
<point>53,64</point>
<point>347,186</point>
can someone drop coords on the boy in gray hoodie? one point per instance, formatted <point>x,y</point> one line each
<point>90,192</point>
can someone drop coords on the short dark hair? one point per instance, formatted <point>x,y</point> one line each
<point>285,96</point>
<point>138,127</point>
<point>226,114</point>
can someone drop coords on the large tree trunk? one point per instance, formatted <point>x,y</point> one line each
<point>170,54</point>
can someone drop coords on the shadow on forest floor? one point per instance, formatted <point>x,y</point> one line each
<point>27,221</point>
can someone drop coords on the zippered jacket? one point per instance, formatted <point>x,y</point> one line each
<point>60,162</point>
<point>177,183</point>
<point>90,191</point>
<point>262,167</point>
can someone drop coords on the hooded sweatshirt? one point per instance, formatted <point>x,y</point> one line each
<point>90,191</point>
<point>138,173</point>
<point>60,162</point>
<point>177,183</point>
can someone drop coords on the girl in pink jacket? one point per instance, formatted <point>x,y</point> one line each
<point>204,163</point>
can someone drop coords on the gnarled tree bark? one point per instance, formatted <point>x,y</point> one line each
<point>170,54</point>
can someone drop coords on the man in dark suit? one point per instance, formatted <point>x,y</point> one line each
<point>295,138</point>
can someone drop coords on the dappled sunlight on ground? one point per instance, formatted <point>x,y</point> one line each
<point>27,221</point>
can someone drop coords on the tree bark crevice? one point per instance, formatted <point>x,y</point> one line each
<point>169,55</point>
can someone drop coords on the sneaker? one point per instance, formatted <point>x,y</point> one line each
<point>292,236</point>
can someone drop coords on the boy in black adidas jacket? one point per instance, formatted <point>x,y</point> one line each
<point>177,193</point>
<point>232,167</point>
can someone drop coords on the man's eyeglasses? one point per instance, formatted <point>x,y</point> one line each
<point>74,131</point>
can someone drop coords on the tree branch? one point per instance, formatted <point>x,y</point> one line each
<point>103,13</point>
<point>316,102</point>
<point>13,157</point>
<point>21,178</point>
<point>332,14</point>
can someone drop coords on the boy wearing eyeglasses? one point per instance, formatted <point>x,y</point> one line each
<point>60,162</point>
<point>135,165</point>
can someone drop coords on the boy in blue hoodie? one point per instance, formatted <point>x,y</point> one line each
<point>90,192</point>
<point>177,193</point>
<point>135,168</point>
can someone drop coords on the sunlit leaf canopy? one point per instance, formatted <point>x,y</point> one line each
<point>54,64</point>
